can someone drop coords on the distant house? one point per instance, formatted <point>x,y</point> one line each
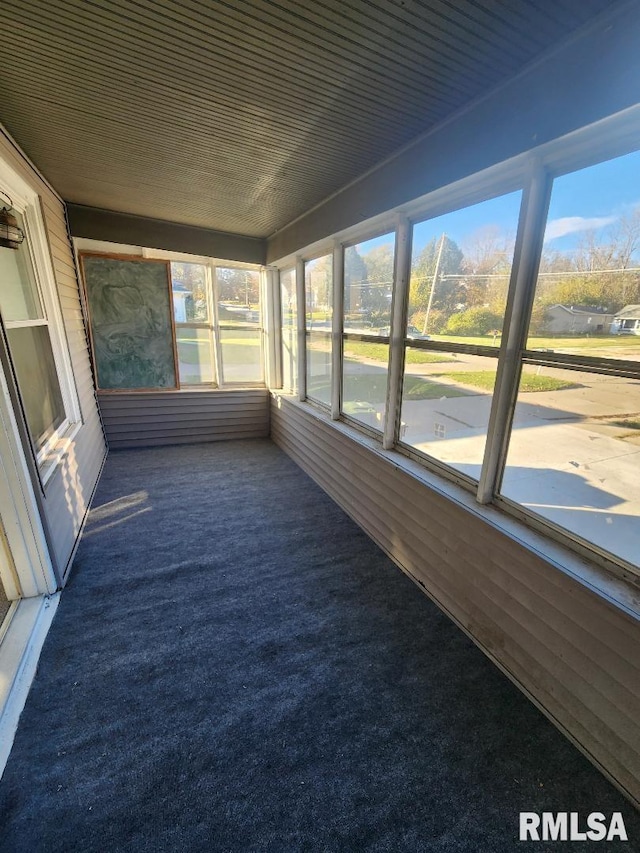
<point>180,293</point>
<point>576,320</point>
<point>627,321</point>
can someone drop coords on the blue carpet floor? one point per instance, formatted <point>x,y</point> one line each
<point>235,666</point>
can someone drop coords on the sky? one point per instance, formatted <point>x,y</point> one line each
<point>461,225</point>
<point>591,198</point>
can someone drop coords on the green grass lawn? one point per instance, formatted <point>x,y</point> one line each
<point>372,387</point>
<point>559,343</point>
<point>592,342</point>
<point>240,350</point>
<point>380,352</point>
<point>193,351</point>
<point>419,356</point>
<point>416,388</point>
<point>485,380</point>
<point>628,423</point>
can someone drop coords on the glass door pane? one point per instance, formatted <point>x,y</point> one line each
<point>19,298</point>
<point>33,362</point>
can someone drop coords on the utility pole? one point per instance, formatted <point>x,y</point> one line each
<point>436,273</point>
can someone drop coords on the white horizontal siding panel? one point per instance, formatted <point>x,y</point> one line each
<point>152,418</point>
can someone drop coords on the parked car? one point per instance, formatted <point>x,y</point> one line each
<point>416,334</point>
<point>412,332</point>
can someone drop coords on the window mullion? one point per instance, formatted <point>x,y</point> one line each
<point>401,274</point>
<point>212,296</point>
<point>529,239</point>
<point>275,301</point>
<point>301,328</point>
<point>268,279</point>
<point>336,329</point>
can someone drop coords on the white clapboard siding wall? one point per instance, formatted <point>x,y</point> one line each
<point>574,653</point>
<point>69,490</point>
<point>147,418</point>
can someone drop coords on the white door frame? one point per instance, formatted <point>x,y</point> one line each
<point>26,568</point>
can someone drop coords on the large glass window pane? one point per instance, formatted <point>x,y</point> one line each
<point>195,355</point>
<point>238,295</point>
<point>239,322</point>
<point>461,264</point>
<point>289,302</point>
<point>318,289</point>
<point>573,455</point>
<point>368,288</point>
<point>32,357</point>
<point>319,311</point>
<point>587,299</point>
<point>189,284</point>
<point>319,367</point>
<point>19,298</point>
<point>446,401</point>
<point>368,285</point>
<point>241,354</point>
<point>364,382</point>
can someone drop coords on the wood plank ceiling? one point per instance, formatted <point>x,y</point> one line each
<point>241,115</point>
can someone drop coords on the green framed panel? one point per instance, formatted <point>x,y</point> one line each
<point>131,322</point>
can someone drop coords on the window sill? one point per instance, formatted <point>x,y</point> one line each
<point>185,389</point>
<point>620,593</point>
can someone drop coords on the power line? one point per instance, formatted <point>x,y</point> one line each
<point>574,273</point>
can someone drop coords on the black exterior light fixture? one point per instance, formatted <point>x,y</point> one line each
<point>10,234</point>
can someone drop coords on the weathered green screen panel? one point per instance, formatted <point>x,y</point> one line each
<point>131,322</point>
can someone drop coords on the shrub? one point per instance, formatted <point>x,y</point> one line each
<point>473,322</point>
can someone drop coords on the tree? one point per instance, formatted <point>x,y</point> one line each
<point>238,285</point>
<point>487,265</point>
<point>447,291</point>
<point>599,271</point>
<point>376,292</point>
<point>318,285</point>
<point>355,274</point>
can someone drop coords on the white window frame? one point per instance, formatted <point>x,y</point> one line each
<point>345,335</point>
<point>86,244</point>
<point>212,265</point>
<point>309,333</point>
<point>211,324</point>
<point>532,173</point>
<point>27,202</point>
<point>222,382</point>
<point>289,378</point>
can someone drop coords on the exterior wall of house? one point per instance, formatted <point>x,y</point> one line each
<point>571,648</point>
<point>68,491</point>
<point>145,419</point>
<point>558,320</point>
<point>622,326</point>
